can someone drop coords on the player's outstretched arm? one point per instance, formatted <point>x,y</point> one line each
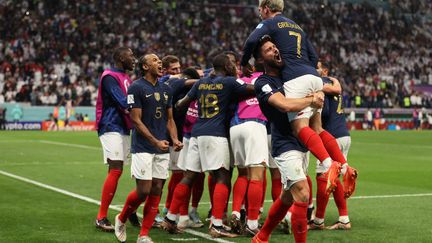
<point>284,104</point>
<point>249,47</point>
<point>183,103</point>
<point>334,88</point>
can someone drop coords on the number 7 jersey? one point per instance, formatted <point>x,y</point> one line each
<point>214,95</point>
<point>295,48</point>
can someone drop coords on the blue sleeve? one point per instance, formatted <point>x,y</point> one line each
<point>252,41</point>
<point>163,79</point>
<point>193,92</point>
<point>134,97</point>
<point>238,86</point>
<point>112,88</point>
<point>264,89</point>
<point>176,85</point>
<point>170,96</point>
<point>312,54</point>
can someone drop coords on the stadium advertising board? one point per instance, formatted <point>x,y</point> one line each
<point>71,126</point>
<point>23,126</point>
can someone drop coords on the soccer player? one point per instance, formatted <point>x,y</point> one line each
<point>248,139</point>
<point>180,86</point>
<point>113,126</point>
<point>208,147</point>
<point>289,154</point>
<point>334,122</point>
<point>171,68</point>
<point>151,113</point>
<point>300,79</point>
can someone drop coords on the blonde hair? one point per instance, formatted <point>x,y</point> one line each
<point>273,5</point>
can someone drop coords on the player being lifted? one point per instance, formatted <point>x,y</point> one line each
<point>300,78</point>
<point>151,113</point>
<point>113,126</point>
<point>289,154</point>
<point>208,147</point>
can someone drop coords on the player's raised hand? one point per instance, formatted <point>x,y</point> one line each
<point>177,145</point>
<point>162,145</point>
<point>247,70</point>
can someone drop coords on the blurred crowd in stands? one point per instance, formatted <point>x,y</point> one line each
<point>52,52</point>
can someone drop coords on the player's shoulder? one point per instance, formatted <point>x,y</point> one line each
<point>267,79</point>
<point>135,84</point>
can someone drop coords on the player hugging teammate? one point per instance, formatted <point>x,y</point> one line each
<point>190,124</point>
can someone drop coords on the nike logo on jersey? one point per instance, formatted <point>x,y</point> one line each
<point>148,95</point>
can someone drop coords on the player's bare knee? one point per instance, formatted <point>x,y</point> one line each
<point>115,165</point>
<point>157,186</point>
<point>286,197</point>
<point>189,177</point>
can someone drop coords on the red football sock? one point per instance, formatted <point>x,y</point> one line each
<point>184,207</point>
<point>313,142</point>
<point>276,213</point>
<point>264,186</point>
<point>211,186</point>
<point>174,180</point>
<point>220,195</point>
<point>341,203</point>
<point>197,189</point>
<point>254,194</point>
<point>131,204</point>
<point>108,191</point>
<point>150,211</point>
<point>181,193</point>
<point>321,198</point>
<point>276,188</point>
<point>299,221</point>
<point>309,181</point>
<point>332,147</point>
<point>239,192</point>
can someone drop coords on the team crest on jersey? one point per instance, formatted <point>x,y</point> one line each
<point>157,96</point>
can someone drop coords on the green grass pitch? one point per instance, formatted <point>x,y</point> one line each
<point>390,163</point>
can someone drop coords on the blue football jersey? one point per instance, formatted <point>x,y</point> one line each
<point>283,139</point>
<point>333,116</point>
<point>214,95</point>
<point>295,48</point>
<point>154,100</point>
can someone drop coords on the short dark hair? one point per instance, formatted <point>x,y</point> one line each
<point>191,73</point>
<point>119,52</point>
<point>167,60</point>
<point>236,57</point>
<point>220,61</point>
<point>261,42</point>
<point>325,65</point>
<point>141,61</point>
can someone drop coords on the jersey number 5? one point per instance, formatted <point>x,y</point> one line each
<point>207,102</point>
<point>158,112</point>
<point>299,39</point>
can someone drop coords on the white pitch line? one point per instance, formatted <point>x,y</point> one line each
<point>69,145</point>
<point>93,201</point>
<point>356,197</point>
